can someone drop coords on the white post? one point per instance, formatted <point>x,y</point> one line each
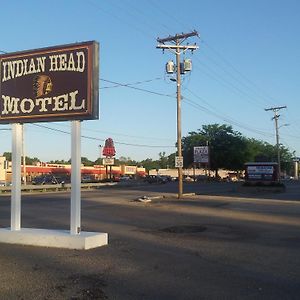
<point>76,178</point>
<point>16,177</point>
<point>23,154</point>
<point>296,171</point>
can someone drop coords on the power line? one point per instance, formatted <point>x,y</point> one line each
<point>118,134</point>
<point>130,84</point>
<point>227,83</point>
<point>138,89</point>
<point>102,140</point>
<point>245,78</point>
<point>198,106</point>
<point>227,120</point>
<point>122,21</point>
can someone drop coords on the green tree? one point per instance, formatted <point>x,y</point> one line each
<point>7,155</point>
<point>260,151</point>
<point>171,160</point>
<point>85,161</point>
<point>60,162</point>
<point>228,148</point>
<point>32,161</point>
<point>163,160</point>
<point>150,164</point>
<point>122,160</point>
<point>29,160</point>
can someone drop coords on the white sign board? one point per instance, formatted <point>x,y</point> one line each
<point>108,161</point>
<point>260,169</point>
<point>178,162</point>
<point>201,154</point>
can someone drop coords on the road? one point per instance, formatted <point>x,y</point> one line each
<point>218,244</point>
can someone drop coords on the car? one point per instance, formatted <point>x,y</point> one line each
<point>125,178</point>
<point>45,179</point>
<point>156,179</point>
<point>87,179</point>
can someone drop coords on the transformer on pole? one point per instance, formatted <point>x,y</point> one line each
<point>175,45</point>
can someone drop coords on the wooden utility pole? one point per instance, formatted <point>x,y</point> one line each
<point>275,118</point>
<point>175,45</point>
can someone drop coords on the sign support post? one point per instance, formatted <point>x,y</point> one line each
<point>16,177</point>
<point>76,178</point>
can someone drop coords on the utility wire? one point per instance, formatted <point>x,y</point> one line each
<point>130,84</point>
<point>138,89</point>
<point>118,134</point>
<point>267,97</point>
<point>198,106</point>
<point>102,140</point>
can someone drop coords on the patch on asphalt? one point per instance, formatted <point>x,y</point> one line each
<point>214,231</point>
<point>88,286</point>
<point>184,229</point>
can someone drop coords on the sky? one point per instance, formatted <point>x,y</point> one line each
<point>248,60</point>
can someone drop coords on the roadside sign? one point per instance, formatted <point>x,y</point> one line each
<point>108,161</point>
<point>201,154</point>
<point>178,162</point>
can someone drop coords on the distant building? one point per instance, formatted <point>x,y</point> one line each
<point>98,172</point>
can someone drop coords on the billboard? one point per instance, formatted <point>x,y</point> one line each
<point>264,171</point>
<point>201,154</point>
<point>51,84</point>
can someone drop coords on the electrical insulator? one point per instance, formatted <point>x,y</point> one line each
<point>170,67</point>
<point>187,65</point>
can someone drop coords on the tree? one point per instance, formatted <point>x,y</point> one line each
<point>29,160</point>
<point>228,148</point>
<point>7,155</point>
<point>163,160</point>
<point>85,161</point>
<point>60,162</point>
<point>149,164</point>
<point>260,151</point>
<point>171,160</point>
<point>122,160</point>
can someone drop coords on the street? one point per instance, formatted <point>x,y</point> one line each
<point>218,244</point>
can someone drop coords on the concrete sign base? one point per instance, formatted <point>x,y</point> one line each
<point>53,238</point>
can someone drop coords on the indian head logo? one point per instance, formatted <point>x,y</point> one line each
<point>42,85</point>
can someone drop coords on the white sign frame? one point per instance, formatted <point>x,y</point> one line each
<point>201,154</point>
<point>178,161</point>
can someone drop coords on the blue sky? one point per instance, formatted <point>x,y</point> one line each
<point>248,60</point>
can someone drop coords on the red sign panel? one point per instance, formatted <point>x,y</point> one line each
<point>50,84</point>
<point>109,148</point>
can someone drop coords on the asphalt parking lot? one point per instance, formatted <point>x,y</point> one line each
<point>219,244</point>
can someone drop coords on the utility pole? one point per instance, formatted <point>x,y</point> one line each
<point>275,118</point>
<point>175,45</point>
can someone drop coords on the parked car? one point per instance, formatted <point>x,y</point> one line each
<point>125,178</point>
<point>45,179</point>
<point>156,179</point>
<point>88,179</point>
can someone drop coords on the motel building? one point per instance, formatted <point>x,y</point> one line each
<point>94,173</point>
